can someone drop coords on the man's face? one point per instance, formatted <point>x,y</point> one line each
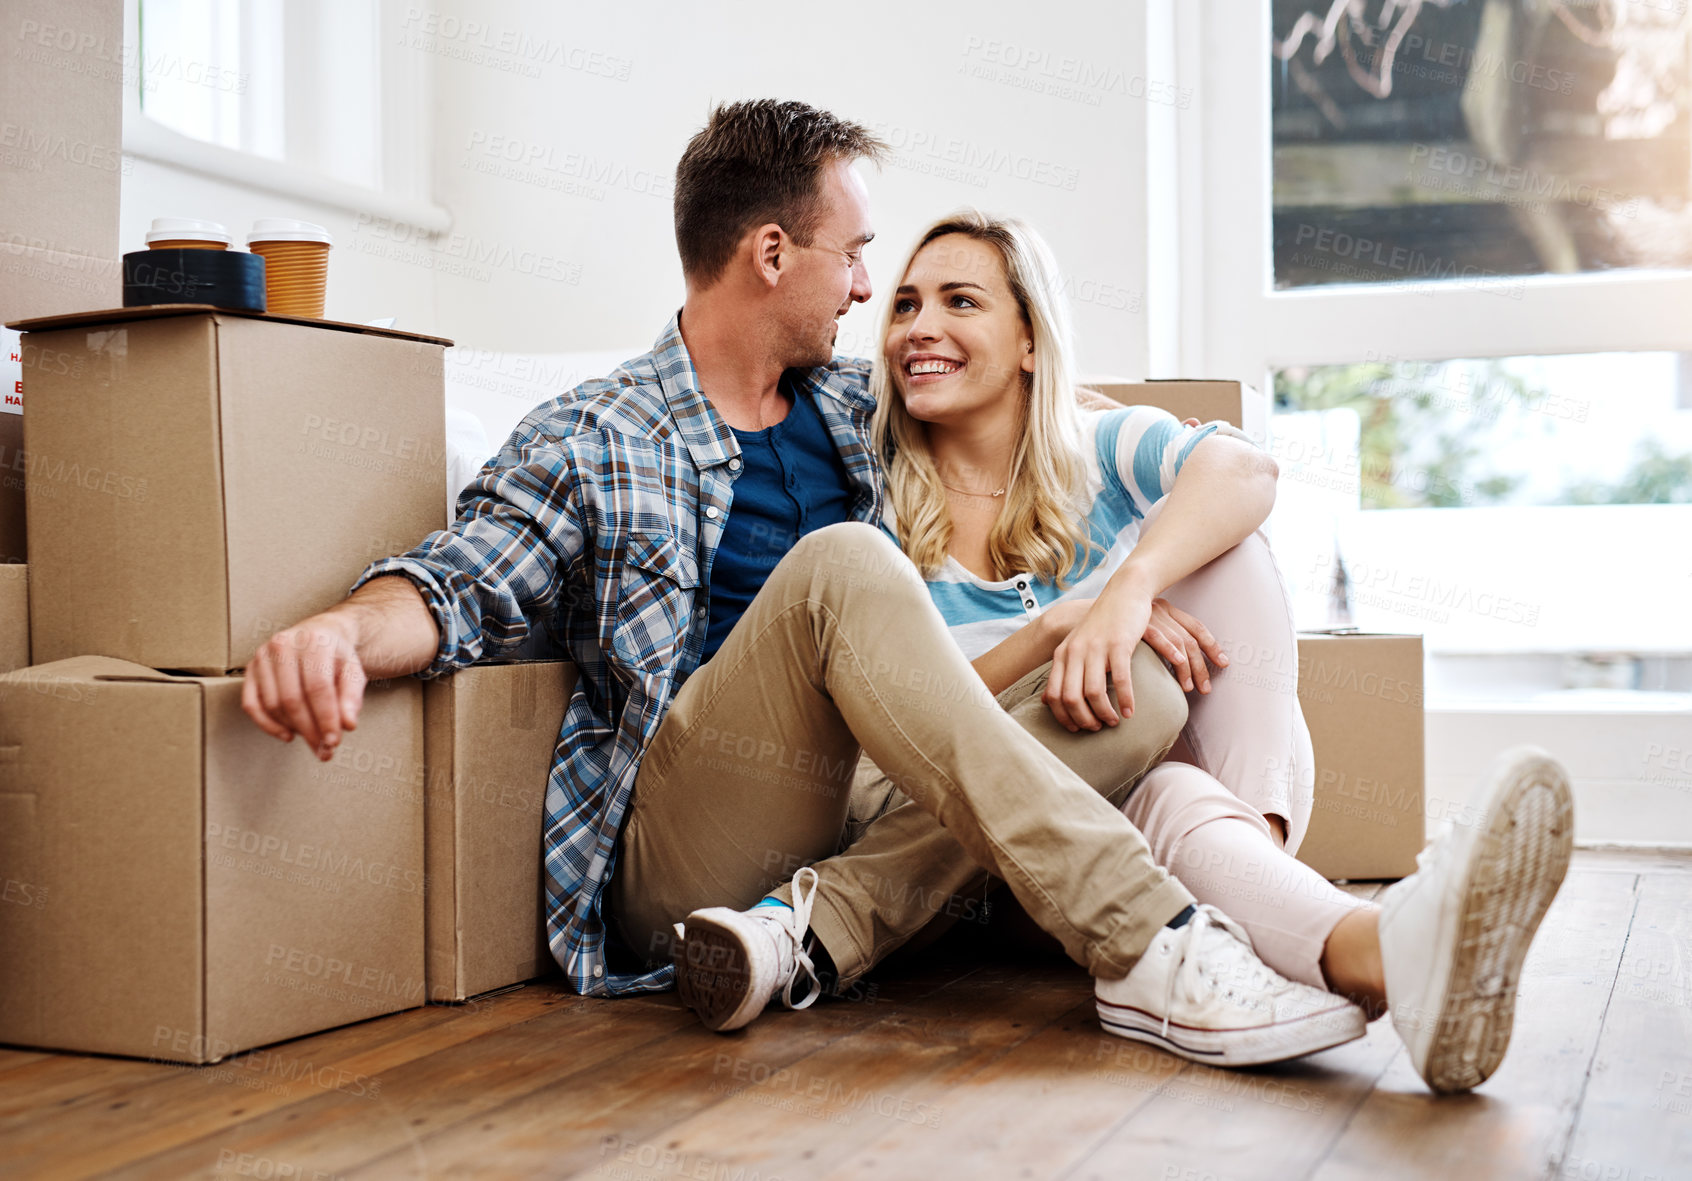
<point>826,278</point>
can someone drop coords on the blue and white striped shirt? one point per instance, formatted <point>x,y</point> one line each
<point>599,519</point>
<point>1132,457</point>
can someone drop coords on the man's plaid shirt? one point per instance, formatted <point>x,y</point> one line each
<point>599,519</point>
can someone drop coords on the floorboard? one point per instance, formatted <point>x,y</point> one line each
<point>1636,1116</point>
<point>1514,1124</point>
<point>971,1058</point>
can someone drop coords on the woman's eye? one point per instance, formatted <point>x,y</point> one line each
<point>902,306</point>
<point>963,301</point>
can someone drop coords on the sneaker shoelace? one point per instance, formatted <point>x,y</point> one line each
<point>795,926</point>
<point>1227,951</point>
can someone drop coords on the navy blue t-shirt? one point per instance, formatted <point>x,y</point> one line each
<point>792,482</point>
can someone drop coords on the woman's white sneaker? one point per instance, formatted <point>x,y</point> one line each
<point>730,963</point>
<point>1454,934</point>
<point>1200,992</point>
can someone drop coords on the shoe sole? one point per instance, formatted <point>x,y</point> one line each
<point>1516,870</point>
<point>713,972</point>
<point>1238,1047</point>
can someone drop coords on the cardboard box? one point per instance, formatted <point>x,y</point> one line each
<point>14,617</point>
<point>1230,401</point>
<point>1362,699</point>
<point>61,155</point>
<point>181,885</point>
<point>490,732</point>
<point>199,479</point>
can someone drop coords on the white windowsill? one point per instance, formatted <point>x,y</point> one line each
<point>147,139</point>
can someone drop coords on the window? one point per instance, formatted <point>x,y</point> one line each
<point>1489,504</point>
<point>1438,475</point>
<point>302,97</point>
<point>1432,140</point>
<point>213,71</point>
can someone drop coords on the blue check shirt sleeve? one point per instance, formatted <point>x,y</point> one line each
<point>502,562</point>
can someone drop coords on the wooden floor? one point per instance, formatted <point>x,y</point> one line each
<point>966,1062</point>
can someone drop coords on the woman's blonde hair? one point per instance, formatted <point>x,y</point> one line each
<point>1039,531</point>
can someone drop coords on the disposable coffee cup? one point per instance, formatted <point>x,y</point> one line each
<point>296,264</point>
<point>187,233</point>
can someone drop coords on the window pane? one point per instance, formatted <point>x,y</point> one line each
<point>1437,140</point>
<point>212,70</point>
<point>1502,431</point>
<point>1574,474</point>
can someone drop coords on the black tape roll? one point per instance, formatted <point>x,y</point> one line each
<point>224,278</point>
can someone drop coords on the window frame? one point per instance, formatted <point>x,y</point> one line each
<point>406,87</point>
<point>1239,326</point>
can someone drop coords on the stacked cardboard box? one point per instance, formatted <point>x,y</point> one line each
<point>1231,402</point>
<point>194,887</point>
<point>1362,698</point>
<point>199,480</point>
<point>491,736</point>
<point>61,161</point>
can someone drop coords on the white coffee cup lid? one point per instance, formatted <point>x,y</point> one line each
<point>286,229</point>
<point>190,229</point>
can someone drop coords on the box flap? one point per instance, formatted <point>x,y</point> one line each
<point>160,310</point>
<point>91,668</point>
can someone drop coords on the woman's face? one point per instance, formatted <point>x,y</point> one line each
<point>958,347</point>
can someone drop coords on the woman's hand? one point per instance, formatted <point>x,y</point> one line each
<point>1089,636</point>
<point>1100,646</point>
<point>1185,643</point>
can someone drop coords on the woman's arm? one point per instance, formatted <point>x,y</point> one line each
<point>1031,646</point>
<point>1224,491</point>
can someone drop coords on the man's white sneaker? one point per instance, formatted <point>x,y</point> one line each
<point>729,963</point>
<point>1200,992</point>
<point>1454,934</point>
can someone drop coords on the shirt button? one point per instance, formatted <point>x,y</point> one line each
<point>1022,584</point>
<point>1029,603</point>
<point>599,969</point>
<point>734,465</point>
<point>711,512</point>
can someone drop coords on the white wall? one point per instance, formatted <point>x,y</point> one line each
<point>578,225</point>
<point>556,129</point>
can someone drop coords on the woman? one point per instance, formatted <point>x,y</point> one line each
<point>1056,539</point>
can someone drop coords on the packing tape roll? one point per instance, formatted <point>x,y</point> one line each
<point>223,278</point>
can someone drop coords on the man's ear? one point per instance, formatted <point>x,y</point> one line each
<point>769,245</point>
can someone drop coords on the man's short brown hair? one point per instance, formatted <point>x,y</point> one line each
<point>757,162</point>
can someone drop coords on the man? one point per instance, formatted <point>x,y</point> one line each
<point>698,528</point>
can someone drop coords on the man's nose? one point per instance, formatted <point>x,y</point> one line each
<point>861,283</point>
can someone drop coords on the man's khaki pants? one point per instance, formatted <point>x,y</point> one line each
<point>751,775</point>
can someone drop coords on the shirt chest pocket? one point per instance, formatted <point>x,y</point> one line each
<point>655,596</point>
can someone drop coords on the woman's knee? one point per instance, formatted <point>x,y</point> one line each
<point>1174,799</point>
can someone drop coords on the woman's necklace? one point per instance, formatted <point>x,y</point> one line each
<point>967,492</point>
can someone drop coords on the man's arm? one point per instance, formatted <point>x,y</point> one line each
<point>438,607</point>
<point>309,680</point>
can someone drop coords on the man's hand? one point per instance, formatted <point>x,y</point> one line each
<point>1185,643</point>
<point>308,681</point>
